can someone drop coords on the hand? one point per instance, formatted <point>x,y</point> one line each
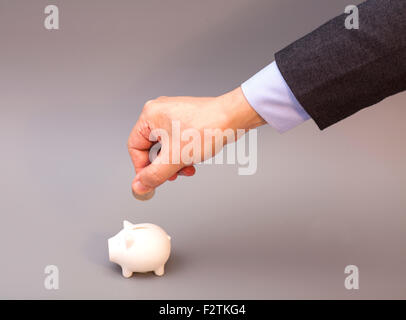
<point>224,115</point>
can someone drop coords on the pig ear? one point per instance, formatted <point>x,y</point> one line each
<point>127,225</point>
<point>129,241</point>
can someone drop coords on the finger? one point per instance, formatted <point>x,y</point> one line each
<point>139,158</point>
<point>173,177</point>
<point>154,175</point>
<point>139,145</point>
<point>187,171</point>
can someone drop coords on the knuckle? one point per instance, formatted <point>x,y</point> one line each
<point>129,143</point>
<point>149,104</point>
<point>152,105</point>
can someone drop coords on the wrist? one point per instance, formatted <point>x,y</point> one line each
<point>237,111</point>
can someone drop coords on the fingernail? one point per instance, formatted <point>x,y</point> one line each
<point>140,188</point>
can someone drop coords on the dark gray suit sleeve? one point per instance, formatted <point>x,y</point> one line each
<point>335,72</point>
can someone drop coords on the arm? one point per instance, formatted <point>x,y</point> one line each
<point>327,75</point>
<point>334,72</point>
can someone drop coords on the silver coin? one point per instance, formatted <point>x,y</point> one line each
<point>144,197</point>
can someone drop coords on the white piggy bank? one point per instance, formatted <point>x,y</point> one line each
<point>140,248</point>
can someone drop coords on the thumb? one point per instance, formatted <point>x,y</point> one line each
<point>154,175</point>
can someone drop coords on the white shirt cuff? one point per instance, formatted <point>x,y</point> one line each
<point>270,96</point>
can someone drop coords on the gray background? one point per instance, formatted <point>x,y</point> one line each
<point>68,100</point>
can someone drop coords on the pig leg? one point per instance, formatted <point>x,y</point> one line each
<point>160,271</point>
<point>127,273</point>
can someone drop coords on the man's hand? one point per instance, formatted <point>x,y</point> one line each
<point>228,112</point>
